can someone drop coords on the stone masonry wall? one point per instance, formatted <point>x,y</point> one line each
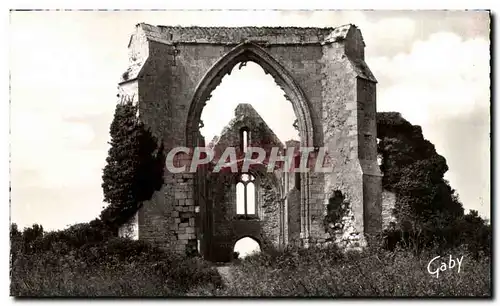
<point>388,203</point>
<point>367,154</point>
<point>130,229</point>
<point>225,35</point>
<point>293,202</point>
<point>345,127</point>
<point>317,68</point>
<point>227,227</point>
<point>260,135</point>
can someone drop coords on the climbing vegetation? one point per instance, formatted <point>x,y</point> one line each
<point>134,169</point>
<point>427,209</point>
<point>335,210</point>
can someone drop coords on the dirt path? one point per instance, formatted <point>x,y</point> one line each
<point>225,272</point>
<point>227,279</point>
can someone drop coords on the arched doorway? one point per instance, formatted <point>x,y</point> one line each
<point>246,246</point>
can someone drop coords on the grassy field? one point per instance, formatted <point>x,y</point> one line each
<point>69,265</point>
<point>110,269</point>
<point>329,273</point>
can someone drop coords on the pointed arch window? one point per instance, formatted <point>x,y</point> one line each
<point>245,197</point>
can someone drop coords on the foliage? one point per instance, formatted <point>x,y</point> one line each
<point>88,259</point>
<point>121,267</point>
<point>77,262</point>
<point>134,169</point>
<point>335,210</point>
<point>415,172</point>
<point>471,232</point>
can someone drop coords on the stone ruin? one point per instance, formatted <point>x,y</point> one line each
<point>171,74</point>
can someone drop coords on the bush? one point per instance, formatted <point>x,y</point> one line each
<point>470,232</point>
<point>415,172</point>
<point>68,263</point>
<point>134,166</point>
<point>428,211</point>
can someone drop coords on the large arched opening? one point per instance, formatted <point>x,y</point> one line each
<point>209,214</point>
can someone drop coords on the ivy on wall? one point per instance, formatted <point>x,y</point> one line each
<point>335,210</point>
<point>414,171</point>
<point>134,166</point>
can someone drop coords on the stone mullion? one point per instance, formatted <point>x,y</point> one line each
<point>245,202</point>
<point>307,204</point>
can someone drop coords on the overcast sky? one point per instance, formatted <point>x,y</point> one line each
<point>433,67</point>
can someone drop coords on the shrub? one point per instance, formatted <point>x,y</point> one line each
<point>68,263</point>
<point>426,205</point>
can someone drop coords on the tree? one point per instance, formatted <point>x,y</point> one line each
<point>415,172</point>
<point>134,169</point>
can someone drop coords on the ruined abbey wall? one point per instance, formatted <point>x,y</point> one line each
<point>227,226</point>
<point>171,73</point>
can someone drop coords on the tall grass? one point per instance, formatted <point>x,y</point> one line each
<point>331,273</point>
<point>116,267</point>
<point>78,262</point>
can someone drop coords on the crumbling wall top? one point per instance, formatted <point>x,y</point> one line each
<point>245,113</point>
<point>340,33</point>
<point>236,35</point>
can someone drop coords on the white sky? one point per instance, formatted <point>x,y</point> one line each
<point>246,246</point>
<point>433,67</point>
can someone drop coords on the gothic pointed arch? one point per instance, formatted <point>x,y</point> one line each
<point>242,53</point>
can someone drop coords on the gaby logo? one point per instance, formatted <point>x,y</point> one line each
<point>303,160</point>
<point>443,266</point>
